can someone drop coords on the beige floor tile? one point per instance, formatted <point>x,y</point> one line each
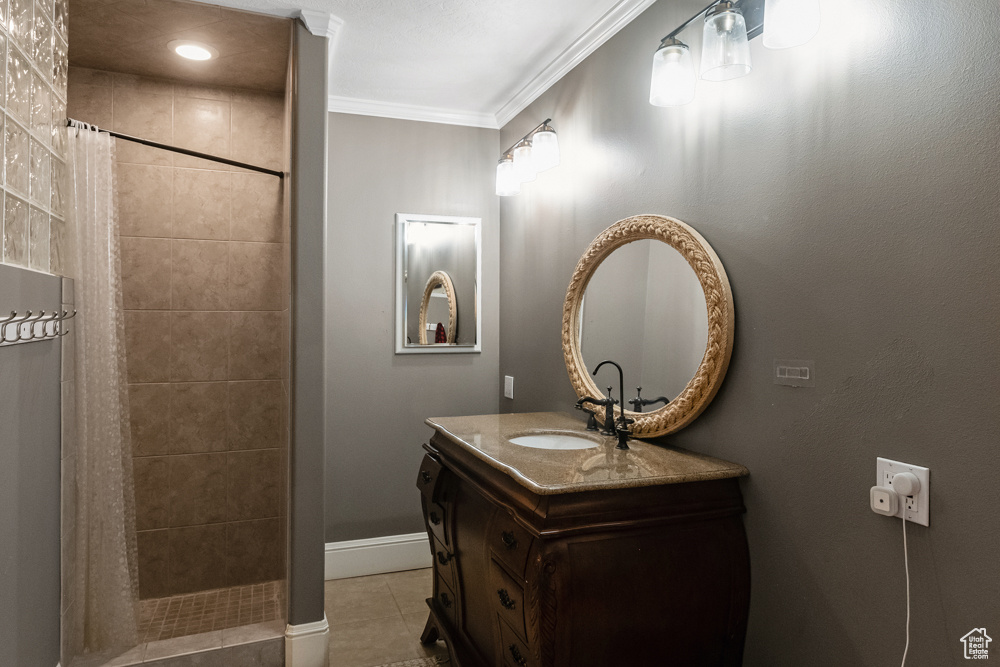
<point>410,589</point>
<point>375,642</point>
<point>359,599</point>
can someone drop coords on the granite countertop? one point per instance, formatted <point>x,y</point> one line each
<point>550,472</point>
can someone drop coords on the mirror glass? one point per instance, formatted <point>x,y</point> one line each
<point>645,308</point>
<point>438,275</point>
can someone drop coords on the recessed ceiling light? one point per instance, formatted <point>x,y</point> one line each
<point>193,50</point>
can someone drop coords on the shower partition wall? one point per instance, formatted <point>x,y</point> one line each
<point>206,291</point>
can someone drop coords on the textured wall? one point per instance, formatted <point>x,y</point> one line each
<point>849,187</point>
<point>33,47</point>
<point>380,167</point>
<point>205,285</point>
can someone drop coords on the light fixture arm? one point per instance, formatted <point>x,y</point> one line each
<point>510,150</point>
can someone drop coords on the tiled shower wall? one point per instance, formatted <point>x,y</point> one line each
<point>33,53</point>
<point>205,288</point>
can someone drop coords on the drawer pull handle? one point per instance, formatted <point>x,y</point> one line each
<point>505,600</point>
<point>446,601</point>
<point>509,540</point>
<point>426,476</point>
<point>435,519</point>
<point>516,654</point>
<point>444,558</point>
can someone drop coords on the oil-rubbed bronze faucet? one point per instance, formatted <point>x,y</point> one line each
<point>638,402</point>
<point>621,428</point>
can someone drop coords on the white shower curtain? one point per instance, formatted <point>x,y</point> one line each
<point>106,569</point>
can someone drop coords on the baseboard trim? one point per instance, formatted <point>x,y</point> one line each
<point>308,644</point>
<point>378,555</point>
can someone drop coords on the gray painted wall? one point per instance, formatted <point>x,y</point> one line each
<point>376,400</point>
<point>850,188</point>
<point>29,479</point>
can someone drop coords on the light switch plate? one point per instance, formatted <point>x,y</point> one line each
<point>508,386</point>
<point>918,506</point>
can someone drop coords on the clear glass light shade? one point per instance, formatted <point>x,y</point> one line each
<point>545,149</point>
<point>508,184</point>
<point>789,23</point>
<point>524,163</point>
<point>725,52</point>
<point>674,79</point>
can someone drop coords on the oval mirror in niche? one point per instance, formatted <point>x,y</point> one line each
<point>652,291</point>
<point>439,305</point>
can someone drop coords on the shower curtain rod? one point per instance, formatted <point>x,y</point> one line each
<point>205,156</point>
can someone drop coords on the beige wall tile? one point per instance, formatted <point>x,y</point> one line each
<point>134,83</point>
<point>198,417</point>
<point>88,103</point>
<point>197,489</point>
<point>201,92</point>
<point>147,345</point>
<point>258,133</point>
<point>201,204</point>
<point>253,484</point>
<point>255,552</point>
<point>91,77</point>
<point>199,278</point>
<point>153,559</point>
<point>255,278</point>
<point>254,346</point>
<point>149,409</point>
<point>199,344</point>
<point>201,125</point>
<point>143,114</point>
<point>256,409</point>
<point>197,558</point>
<point>145,199</point>
<point>128,152</point>
<point>145,273</point>
<point>256,207</point>
<point>151,492</point>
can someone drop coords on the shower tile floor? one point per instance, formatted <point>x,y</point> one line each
<point>208,611</point>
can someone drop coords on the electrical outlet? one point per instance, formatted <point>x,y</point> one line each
<point>917,506</point>
<point>508,386</point>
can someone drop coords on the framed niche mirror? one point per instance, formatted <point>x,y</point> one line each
<point>438,274</point>
<point>651,294</point>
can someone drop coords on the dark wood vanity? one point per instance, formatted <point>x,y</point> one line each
<point>596,557</point>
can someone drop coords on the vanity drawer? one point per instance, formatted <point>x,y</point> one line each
<point>429,477</point>
<point>437,521</point>
<point>510,542</point>
<point>447,601</point>
<point>508,598</point>
<point>444,563</point>
<point>515,652</point>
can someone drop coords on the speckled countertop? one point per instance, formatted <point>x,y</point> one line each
<point>550,472</point>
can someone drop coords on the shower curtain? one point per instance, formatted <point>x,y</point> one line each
<point>106,567</point>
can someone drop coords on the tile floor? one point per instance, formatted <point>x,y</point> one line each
<point>377,620</point>
<point>208,611</point>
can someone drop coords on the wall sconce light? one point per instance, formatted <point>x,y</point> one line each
<point>536,151</point>
<point>725,54</point>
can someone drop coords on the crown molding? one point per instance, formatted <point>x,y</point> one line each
<point>411,112</point>
<point>601,31</point>
<point>322,24</point>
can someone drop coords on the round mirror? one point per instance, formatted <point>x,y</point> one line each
<point>651,294</point>
<point>437,307</point>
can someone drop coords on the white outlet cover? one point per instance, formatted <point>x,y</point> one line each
<point>886,469</point>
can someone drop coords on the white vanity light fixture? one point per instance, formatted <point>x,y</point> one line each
<point>536,151</point>
<point>727,28</point>
<point>790,23</point>
<point>508,184</point>
<point>725,50</point>
<point>192,50</point>
<point>674,79</point>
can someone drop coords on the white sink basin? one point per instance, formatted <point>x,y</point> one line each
<point>554,441</point>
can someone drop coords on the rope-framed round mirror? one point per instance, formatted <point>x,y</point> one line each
<point>651,270</point>
<point>439,285</point>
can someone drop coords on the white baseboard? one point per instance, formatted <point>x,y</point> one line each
<point>359,558</point>
<point>308,644</point>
